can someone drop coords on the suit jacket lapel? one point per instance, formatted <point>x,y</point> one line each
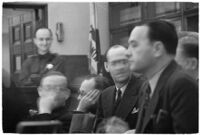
<point>141,108</point>
<point>129,99</point>
<point>108,102</point>
<point>161,83</point>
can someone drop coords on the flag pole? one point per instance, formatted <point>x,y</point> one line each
<point>98,38</point>
<point>95,58</point>
<point>95,11</point>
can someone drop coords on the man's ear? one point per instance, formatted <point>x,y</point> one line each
<point>193,63</point>
<point>106,66</point>
<point>158,48</point>
<point>40,92</point>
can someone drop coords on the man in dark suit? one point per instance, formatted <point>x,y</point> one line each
<point>91,86</point>
<point>84,116</point>
<point>169,101</point>
<point>121,99</point>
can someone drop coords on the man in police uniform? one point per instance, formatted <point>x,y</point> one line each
<point>36,66</point>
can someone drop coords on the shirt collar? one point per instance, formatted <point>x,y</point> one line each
<point>154,80</point>
<point>123,88</point>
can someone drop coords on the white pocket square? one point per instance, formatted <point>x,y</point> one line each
<point>135,110</point>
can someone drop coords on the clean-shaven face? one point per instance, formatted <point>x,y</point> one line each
<point>118,64</point>
<point>140,50</point>
<point>43,40</point>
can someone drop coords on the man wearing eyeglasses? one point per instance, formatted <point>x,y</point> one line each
<point>121,99</point>
<point>53,93</point>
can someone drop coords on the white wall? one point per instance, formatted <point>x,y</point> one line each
<point>76,20</point>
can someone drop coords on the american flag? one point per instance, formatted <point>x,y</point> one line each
<point>94,53</point>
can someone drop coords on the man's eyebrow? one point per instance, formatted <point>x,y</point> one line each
<point>132,41</point>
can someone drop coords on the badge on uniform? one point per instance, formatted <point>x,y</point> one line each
<point>49,66</point>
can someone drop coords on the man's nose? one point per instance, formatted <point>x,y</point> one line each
<point>44,41</point>
<point>120,66</point>
<point>128,53</point>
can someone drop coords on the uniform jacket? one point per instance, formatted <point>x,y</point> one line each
<point>37,65</point>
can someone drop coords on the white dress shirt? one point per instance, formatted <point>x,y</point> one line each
<point>123,88</point>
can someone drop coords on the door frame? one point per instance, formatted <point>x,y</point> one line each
<point>24,5</point>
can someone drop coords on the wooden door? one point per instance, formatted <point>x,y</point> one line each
<point>21,31</point>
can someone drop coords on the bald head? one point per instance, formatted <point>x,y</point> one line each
<point>43,40</point>
<point>43,30</point>
<point>118,65</point>
<point>54,80</point>
<point>119,49</point>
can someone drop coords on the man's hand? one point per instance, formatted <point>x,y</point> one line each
<point>89,99</point>
<point>46,104</point>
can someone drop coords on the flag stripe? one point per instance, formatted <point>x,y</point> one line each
<point>94,53</point>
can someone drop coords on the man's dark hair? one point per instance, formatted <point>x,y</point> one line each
<point>106,53</point>
<point>190,50</point>
<point>101,82</point>
<point>43,28</point>
<point>165,32</point>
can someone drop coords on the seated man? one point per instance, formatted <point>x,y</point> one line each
<point>53,93</point>
<point>89,91</point>
<point>84,118</point>
<point>34,67</point>
<point>187,53</point>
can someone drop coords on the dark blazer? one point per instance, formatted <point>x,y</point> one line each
<point>173,107</point>
<point>127,105</point>
<point>62,114</point>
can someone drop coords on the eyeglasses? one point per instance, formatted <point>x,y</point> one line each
<point>54,88</point>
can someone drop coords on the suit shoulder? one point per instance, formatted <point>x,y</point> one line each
<point>33,56</point>
<point>180,81</point>
<point>181,76</point>
<point>58,57</point>
<point>30,58</point>
<point>108,89</point>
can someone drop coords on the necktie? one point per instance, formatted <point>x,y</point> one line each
<point>147,95</point>
<point>117,101</point>
<point>144,106</point>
